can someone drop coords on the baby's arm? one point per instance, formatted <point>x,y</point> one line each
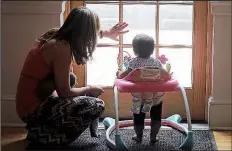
<point>131,66</point>
<point>123,74</point>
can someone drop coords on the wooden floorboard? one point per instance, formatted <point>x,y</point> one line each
<point>13,139</point>
<point>223,139</point>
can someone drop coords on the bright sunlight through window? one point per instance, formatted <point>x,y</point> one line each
<point>172,31</point>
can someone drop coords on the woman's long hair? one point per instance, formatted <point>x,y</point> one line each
<point>80,30</point>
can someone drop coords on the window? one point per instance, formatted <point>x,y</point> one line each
<point>181,30</point>
<point>169,23</point>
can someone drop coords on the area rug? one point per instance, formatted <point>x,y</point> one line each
<point>168,140</point>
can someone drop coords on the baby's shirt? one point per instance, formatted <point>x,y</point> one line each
<point>144,62</point>
<point>147,99</point>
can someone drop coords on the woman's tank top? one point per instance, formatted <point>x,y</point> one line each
<point>34,70</point>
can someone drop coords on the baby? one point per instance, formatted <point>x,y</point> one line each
<point>143,47</point>
<point>47,88</point>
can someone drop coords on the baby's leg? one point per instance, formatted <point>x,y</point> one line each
<point>138,126</point>
<point>155,114</point>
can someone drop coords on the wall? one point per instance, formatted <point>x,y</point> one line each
<point>22,22</point>
<point>220,101</point>
<point>0,50</point>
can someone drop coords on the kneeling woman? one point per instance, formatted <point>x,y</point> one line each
<point>61,117</point>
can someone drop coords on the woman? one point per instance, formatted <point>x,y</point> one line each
<point>59,119</point>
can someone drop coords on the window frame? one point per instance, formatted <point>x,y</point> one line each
<point>157,5</point>
<point>201,63</point>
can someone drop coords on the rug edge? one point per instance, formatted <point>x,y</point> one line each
<point>213,142</point>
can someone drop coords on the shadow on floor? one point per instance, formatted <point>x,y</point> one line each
<point>19,145</point>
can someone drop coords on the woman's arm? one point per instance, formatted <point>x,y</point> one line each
<point>61,64</point>
<point>71,67</point>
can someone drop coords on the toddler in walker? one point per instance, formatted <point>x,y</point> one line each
<point>143,47</point>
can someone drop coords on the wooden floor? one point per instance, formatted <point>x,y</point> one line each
<point>13,139</point>
<point>223,139</point>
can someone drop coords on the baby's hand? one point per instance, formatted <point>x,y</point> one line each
<point>117,73</point>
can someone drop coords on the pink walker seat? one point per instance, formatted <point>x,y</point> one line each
<point>147,80</point>
<point>129,87</point>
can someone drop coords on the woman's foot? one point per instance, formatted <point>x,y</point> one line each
<point>95,135</point>
<point>93,127</point>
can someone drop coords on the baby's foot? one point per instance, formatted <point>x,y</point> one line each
<point>137,138</point>
<point>152,142</point>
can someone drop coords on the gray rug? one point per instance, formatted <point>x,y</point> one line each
<point>168,140</point>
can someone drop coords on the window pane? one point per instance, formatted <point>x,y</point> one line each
<point>109,16</point>
<point>88,1</point>
<point>175,24</point>
<point>186,1</point>
<point>182,69</point>
<point>181,62</point>
<point>141,19</point>
<point>102,69</point>
<point>130,51</point>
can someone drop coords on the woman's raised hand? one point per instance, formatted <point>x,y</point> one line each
<point>114,32</point>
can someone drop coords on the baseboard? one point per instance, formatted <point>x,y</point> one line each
<point>219,114</point>
<point>221,128</point>
<point>9,116</point>
<point>12,125</point>
<point>218,120</point>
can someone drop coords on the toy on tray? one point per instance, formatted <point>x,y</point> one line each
<point>125,57</point>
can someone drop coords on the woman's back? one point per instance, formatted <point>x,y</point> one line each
<point>34,70</point>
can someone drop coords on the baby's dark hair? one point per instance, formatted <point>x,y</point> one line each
<point>143,45</point>
<point>47,36</point>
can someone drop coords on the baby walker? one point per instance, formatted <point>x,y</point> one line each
<point>146,80</point>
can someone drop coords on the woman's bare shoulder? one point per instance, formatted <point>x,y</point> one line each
<point>55,49</point>
<point>61,48</point>
<point>62,44</point>
<point>58,44</point>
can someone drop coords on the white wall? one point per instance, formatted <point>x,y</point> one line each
<point>22,22</point>
<point>220,102</point>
